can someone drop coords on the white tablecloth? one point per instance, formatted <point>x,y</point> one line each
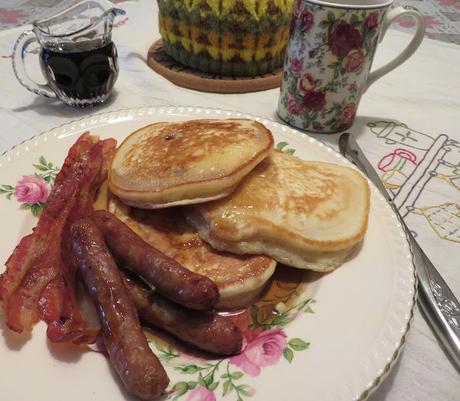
<point>416,108</point>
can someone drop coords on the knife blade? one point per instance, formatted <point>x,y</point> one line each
<point>436,300</point>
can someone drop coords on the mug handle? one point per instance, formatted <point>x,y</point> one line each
<point>19,54</point>
<point>413,45</point>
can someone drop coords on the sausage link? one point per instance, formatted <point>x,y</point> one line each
<point>205,330</point>
<point>133,360</point>
<point>169,277</point>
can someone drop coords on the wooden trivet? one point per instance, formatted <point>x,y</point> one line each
<point>177,73</point>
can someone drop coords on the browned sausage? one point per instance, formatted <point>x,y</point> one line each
<point>139,369</point>
<point>169,278</point>
<point>205,330</point>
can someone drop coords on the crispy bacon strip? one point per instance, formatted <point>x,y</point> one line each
<point>70,325</point>
<point>36,260</point>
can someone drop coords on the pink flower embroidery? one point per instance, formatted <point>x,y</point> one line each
<point>294,107</point>
<point>430,22</point>
<point>11,16</point>
<point>306,83</point>
<point>453,3</point>
<point>353,60</point>
<point>348,115</point>
<point>372,20</point>
<point>314,100</point>
<point>262,349</point>
<point>386,161</point>
<point>201,394</point>
<point>31,189</point>
<point>296,65</point>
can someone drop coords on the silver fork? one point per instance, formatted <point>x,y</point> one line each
<point>437,302</point>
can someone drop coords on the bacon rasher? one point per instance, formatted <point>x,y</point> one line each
<point>70,326</point>
<point>39,281</point>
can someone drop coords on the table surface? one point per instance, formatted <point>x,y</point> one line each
<point>407,123</point>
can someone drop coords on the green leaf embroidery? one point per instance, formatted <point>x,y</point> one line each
<point>289,151</point>
<point>298,344</point>
<point>6,187</point>
<point>25,206</point>
<point>213,386</point>
<point>288,354</point>
<point>42,160</point>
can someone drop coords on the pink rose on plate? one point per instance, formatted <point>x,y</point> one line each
<point>372,20</point>
<point>294,107</point>
<point>314,100</point>
<point>348,115</point>
<point>201,394</point>
<point>31,189</point>
<point>306,83</point>
<point>296,65</point>
<point>262,349</point>
<point>353,60</point>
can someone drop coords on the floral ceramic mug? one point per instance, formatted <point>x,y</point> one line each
<point>329,57</point>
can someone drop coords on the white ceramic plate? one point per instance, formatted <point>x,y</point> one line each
<point>342,351</point>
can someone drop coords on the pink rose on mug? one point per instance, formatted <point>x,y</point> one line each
<point>294,107</point>
<point>31,189</point>
<point>296,65</point>
<point>344,38</point>
<point>372,20</point>
<point>306,21</point>
<point>353,60</point>
<point>262,349</point>
<point>306,83</point>
<point>314,100</point>
<point>348,115</point>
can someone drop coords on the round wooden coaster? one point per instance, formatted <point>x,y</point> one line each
<point>163,64</point>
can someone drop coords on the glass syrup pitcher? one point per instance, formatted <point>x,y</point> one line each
<point>77,56</point>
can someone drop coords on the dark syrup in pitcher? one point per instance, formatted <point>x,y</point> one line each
<point>84,76</point>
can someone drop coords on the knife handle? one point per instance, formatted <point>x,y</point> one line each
<point>438,304</point>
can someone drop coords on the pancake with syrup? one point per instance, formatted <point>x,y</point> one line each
<point>240,278</point>
<point>305,214</point>
<point>178,163</point>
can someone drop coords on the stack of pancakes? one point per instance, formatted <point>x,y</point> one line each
<point>216,196</point>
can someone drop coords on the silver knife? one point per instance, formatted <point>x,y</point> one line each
<point>438,304</point>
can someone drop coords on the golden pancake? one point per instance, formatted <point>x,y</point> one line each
<point>171,164</point>
<point>305,214</point>
<point>240,278</point>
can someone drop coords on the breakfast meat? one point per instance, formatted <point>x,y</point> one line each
<point>171,164</point>
<point>240,278</point>
<point>169,278</point>
<point>205,330</point>
<point>305,214</point>
<point>68,326</point>
<point>37,283</point>
<point>138,368</point>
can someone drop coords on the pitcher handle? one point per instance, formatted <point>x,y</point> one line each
<point>413,45</point>
<point>19,54</point>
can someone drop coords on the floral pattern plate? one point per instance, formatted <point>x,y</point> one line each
<point>336,342</point>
